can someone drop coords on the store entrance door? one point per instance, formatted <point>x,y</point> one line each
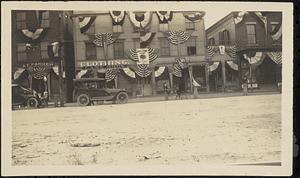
<point>144,86</point>
<point>266,74</point>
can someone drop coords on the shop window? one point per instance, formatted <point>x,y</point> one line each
<point>119,49</point>
<point>164,47</point>
<point>211,41</point>
<point>45,19</point>
<point>191,46</point>
<point>44,50</point>
<point>21,50</point>
<point>91,30</point>
<point>117,29</point>
<point>189,25</point>
<point>251,33</point>
<point>90,51</point>
<point>21,20</point>
<point>164,27</point>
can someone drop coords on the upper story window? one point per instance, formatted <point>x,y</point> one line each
<point>224,38</point>
<point>117,29</point>
<point>90,51</point>
<point>191,46</point>
<point>45,19</point>
<point>251,33</point>
<point>21,50</point>
<point>164,47</point>
<point>189,25</point>
<point>211,41</point>
<point>44,50</point>
<point>21,20</point>
<point>164,27</point>
<point>119,49</point>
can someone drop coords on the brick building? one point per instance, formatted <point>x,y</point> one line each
<point>35,35</point>
<point>141,50</point>
<point>258,42</point>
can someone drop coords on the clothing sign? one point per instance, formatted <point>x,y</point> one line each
<point>143,56</point>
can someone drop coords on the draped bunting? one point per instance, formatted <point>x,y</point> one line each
<point>85,23</point>
<point>111,74</point>
<point>159,71</point>
<point>164,16</point>
<point>129,72</point>
<point>18,73</point>
<point>211,50</point>
<point>232,65</point>
<point>81,73</point>
<point>194,17</point>
<point>102,38</point>
<point>214,66</point>
<point>195,83</point>
<point>33,35</point>
<point>275,56</point>
<point>39,70</point>
<point>231,51</point>
<point>177,70</point>
<point>181,62</point>
<point>54,49</point>
<point>143,70</point>
<point>276,34</point>
<point>178,37</point>
<point>145,39</point>
<point>117,17</point>
<point>140,20</point>
<point>239,17</point>
<point>255,59</point>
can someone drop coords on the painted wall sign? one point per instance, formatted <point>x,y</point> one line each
<point>33,64</point>
<point>118,63</point>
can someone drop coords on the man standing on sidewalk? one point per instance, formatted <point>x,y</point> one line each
<point>166,91</point>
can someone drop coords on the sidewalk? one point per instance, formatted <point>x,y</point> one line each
<point>183,97</point>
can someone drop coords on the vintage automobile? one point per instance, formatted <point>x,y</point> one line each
<point>90,90</point>
<point>22,96</point>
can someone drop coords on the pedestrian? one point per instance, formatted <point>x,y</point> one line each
<point>166,91</point>
<point>245,86</point>
<point>178,93</point>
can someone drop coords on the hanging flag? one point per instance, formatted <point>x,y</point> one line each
<point>164,16</point>
<point>239,17</point>
<point>143,56</point>
<point>81,73</point>
<point>276,56</point>
<point>255,59</point>
<point>177,70</point>
<point>232,65</point>
<point>33,35</point>
<point>54,49</point>
<point>102,38</point>
<point>85,23</point>
<point>178,37</point>
<point>145,39</point>
<point>140,20</point>
<point>194,17</point>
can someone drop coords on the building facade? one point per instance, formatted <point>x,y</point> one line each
<point>42,47</point>
<point>258,42</point>
<point>142,50</point>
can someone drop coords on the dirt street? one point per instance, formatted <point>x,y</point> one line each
<point>220,130</point>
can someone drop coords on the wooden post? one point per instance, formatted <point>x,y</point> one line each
<point>250,68</point>
<point>191,78</point>
<point>61,91</point>
<point>171,81</point>
<point>49,85</point>
<point>207,77</point>
<point>30,81</point>
<point>223,75</point>
<point>153,82</point>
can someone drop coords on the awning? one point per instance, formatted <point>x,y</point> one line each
<point>18,73</point>
<point>275,56</point>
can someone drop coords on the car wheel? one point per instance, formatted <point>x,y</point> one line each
<point>122,98</point>
<point>83,100</point>
<point>32,103</point>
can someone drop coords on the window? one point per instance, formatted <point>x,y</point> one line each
<point>91,30</point>
<point>221,38</point>
<point>45,19</point>
<point>251,36</point>
<point>226,37</point>
<point>164,27</point>
<point>211,41</point>
<point>21,50</point>
<point>21,20</point>
<point>191,46</point>
<point>119,49</point>
<point>189,25</point>
<point>44,50</point>
<point>164,47</point>
<point>117,29</point>
<point>136,43</point>
<point>90,51</point>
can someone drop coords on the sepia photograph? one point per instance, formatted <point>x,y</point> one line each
<point>186,88</point>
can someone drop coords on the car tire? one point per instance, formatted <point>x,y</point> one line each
<point>32,103</point>
<point>121,98</point>
<point>83,100</point>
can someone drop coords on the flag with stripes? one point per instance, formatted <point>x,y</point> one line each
<point>276,56</point>
<point>146,38</point>
<point>164,16</point>
<point>85,23</point>
<point>117,17</point>
<point>231,51</point>
<point>211,50</point>
<point>178,37</point>
<point>140,20</point>
<point>102,38</point>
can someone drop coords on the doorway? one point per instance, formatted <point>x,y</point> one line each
<point>144,86</point>
<point>266,74</point>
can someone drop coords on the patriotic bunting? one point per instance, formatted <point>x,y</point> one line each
<point>37,34</point>
<point>211,51</point>
<point>140,20</point>
<point>81,73</point>
<point>178,37</point>
<point>276,56</point>
<point>111,74</point>
<point>232,65</point>
<point>239,17</point>
<point>164,16</point>
<point>40,70</point>
<point>143,70</point>
<point>117,17</point>
<point>195,83</point>
<point>18,73</point>
<point>54,49</point>
<point>214,66</point>
<point>159,71</point>
<point>177,70</point>
<point>102,38</point>
<point>277,32</point>
<point>85,23</point>
<point>255,59</point>
<point>194,17</point>
<point>231,51</point>
<point>129,72</point>
<point>145,39</point>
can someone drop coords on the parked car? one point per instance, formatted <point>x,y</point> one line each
<point>22,96</point>
<point>88,90</point>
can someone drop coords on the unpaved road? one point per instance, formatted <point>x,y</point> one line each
<point>220,130</point>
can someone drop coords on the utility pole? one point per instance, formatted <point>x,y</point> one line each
<point>60,63</point>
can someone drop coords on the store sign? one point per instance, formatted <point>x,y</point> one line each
<point>35,64</point>
<point>118,63</point>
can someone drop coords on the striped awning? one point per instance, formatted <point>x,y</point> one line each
<point>276,56</point>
